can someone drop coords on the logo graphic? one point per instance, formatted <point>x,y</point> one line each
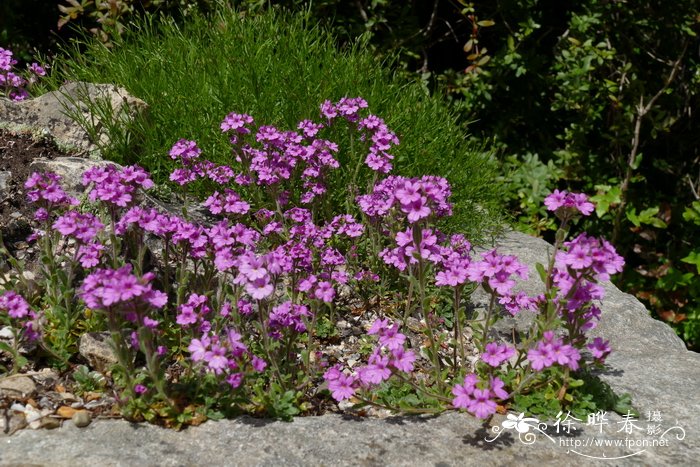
<point>632,434</point>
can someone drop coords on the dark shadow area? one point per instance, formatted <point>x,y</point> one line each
<point>478,439</point>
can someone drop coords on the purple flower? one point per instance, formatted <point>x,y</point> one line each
<point>463,392</point>
<point>403,359</point>
<point>565,204</point>
<point>45,187</point>
<point>342,387</point>
<point>187,316</point>
<point>258,364</point>
<point>599,348</point>
<point>115,186</point>
<point>185,150</point>
<point>216,358</point>
<point>237,123</point>
<point>14,304</point>
<point>105,288</point>
<point>37,69</point>
<point>328,110</point>
<point>325,292</point>
<point>140,389</point>
<point>289,315</point>
<point>259,288</point>
<point>391,338</point>
<point>540,357</point>
<point>495,354</point>
<point>378,327</point>
<point>376,371</point>
<point>83,227</point>
<point>497,388</point>
<point>6,60</point>
<point>481,404</point>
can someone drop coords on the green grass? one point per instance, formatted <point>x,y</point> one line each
<point>277,67</point>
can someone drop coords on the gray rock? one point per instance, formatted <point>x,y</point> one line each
<point>17,386</point>
<point>93,106</point>
<point>5,178</point>
<point>96,348</point>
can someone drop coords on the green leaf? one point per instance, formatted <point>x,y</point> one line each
<point>693,258</point>
<point>633,217</point>
<point>692,213</point>
<point>647,216</point>
<point>623,405</point>
<point>575,383</point>
<point>6,348</point>
<point>636,162</point>
<point>607,196</point>
<point>541,271</point>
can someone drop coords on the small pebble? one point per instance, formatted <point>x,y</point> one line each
<point>66,412</point>
<point>81,419</point>
<point>50,423</point>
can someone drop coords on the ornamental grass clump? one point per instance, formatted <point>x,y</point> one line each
<point>233,315</point>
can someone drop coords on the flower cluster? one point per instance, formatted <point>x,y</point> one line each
<point>225,355</point>
<point>45,190</point>
<point>287,315</point>
<point>13,84</point>
<point>230,202</point>
<point>114,185</point>
<point>566,205</point>
<point>389,356</point>
<point>411,250</point>
<point>496,272</point>
<point>414,198</point>
<point>194,310</point>
<point>272,268</point>
<point>495,354</point>
<point>188,153</point>
<point>579,267</point>
<point>551,350</point>
<point>455,260</point>
<point>479,401</point>
<point>107,288</point>
<point>26,319</point>
<point>84,228</point>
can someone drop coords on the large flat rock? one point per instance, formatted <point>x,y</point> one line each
<point>649,361</point>
<point>61,113</point>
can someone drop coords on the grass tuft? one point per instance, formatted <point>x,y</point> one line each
<point>277,67</point>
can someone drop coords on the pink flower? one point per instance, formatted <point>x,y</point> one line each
<point>325,292</point>
<point>259,288</point>
<point>599,348</point>
<point>463,392</point>
<point>481,404</point>
<point>237,123</point>
<point>198,348</point>
<point>497,388</point>
<point>342,387</point>
<point>403,359</point>
<point>495,354</point>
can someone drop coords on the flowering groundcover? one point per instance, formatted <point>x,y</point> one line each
<point>235,316</point>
